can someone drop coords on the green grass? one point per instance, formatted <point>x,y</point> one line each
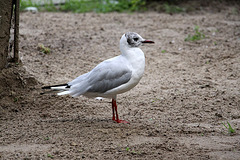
<point>26,3</point>
<point>132,151</point>
<point>15,99</point>
<point>197,36</point>
<point>163,51</point>
<point>44,49</point>
<point>168,8</point>
<point>50,156</point>
<point>46,138</point>
<point>82,6</point>
<point>229,128</point>
<point>235,11</point>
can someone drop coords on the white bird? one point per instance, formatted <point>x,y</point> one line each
<point>111,77</point>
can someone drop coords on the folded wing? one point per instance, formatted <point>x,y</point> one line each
<point>105,76</point>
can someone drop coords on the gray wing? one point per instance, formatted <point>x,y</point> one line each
<point>108,75</point>
<point>79,79</point>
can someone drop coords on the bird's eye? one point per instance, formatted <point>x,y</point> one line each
<point>135,39</point>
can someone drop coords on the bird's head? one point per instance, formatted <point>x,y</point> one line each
<point>132,39</point>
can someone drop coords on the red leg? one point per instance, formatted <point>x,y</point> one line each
<point>114,109</point>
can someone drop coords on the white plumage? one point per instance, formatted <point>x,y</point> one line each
<point>113,76</point>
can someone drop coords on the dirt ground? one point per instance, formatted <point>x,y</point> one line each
<point>177,111</point>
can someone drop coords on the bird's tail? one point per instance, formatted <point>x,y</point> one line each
<point>60,87</point>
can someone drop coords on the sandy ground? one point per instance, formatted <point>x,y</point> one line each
<point>176,111</point>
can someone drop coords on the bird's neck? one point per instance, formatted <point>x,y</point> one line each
<point>132,53</point>
<point>136,59</point>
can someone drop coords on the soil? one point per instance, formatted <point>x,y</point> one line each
<point>177,111</point>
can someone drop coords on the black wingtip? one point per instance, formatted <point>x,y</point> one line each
<point>49,87</point>
<point>46,87</point>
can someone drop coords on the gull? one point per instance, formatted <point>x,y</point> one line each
<point>112,76</point>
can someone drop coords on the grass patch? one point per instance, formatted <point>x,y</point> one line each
<point>229,128</point>
<point>168,8</point>
<point>46,138</point>
<point>15,99</point>
<point>82,6</point>
<point>197,36</point>
<point>50,156</point>
<point>131,151</point>
<point>44,49</point>
<point>163,51</point>
<point>27,3</point>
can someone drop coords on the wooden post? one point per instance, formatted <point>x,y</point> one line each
<point>16,32</point>
<point>6,7</point>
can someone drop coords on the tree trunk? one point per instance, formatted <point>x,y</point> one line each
<point>5,25</point>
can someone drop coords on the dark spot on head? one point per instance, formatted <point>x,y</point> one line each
<point>135,39</point>
<point>129,41</point>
